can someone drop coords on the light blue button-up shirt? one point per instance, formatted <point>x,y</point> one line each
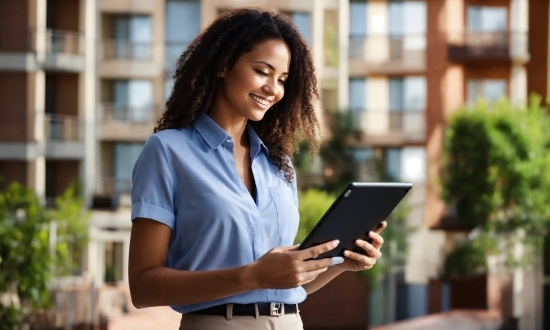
<point>187,179</point>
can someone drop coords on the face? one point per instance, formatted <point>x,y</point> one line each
<point>255,82</point>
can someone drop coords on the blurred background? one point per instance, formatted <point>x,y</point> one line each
<point>434,92</point>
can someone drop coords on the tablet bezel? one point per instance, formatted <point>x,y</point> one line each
<point>353,218</point>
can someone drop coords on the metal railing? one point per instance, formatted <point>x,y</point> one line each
<point>380,122</point>
<point>385,47</point>
<point>128,113</point>
<point>127,49</point>
<point>59,41</point>
<point>490,43</point>
<point>62,127</point>
<point>114,187</point>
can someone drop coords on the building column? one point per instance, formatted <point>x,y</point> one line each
<point>519,27</point>
<point>343,57</point>
<point>87,92</point>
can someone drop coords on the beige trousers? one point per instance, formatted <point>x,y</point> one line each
<point>218,322</point>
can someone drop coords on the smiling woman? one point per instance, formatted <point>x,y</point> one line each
<point>214,197</point>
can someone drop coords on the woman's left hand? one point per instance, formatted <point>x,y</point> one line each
<point>354,261</point>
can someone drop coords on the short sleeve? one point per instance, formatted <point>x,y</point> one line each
<point>153,184</point>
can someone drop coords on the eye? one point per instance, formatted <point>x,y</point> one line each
<point>282,82</point>
<point>262,73</point>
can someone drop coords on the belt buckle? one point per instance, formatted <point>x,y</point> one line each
<point>276,309</point>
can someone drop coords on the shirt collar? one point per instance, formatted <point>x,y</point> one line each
<point>214,135</point>
<point>210,131</point>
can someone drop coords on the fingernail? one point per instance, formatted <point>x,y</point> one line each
<point>337,261</point>
<point>335,243</point>
<point>346,253</point>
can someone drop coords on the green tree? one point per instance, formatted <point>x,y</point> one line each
<point>26,264</point>
<point>495,174</point>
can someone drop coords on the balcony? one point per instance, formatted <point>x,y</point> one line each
<point>390,128</point>
<point>127,49</point>
<point>63,135</point>
<point>62,127</point>
<point>387,54</point>
<point>50,49</point>
<point>128,59</point>
<point>488,46</point>
<point>112,192</point>
<point>122,122</point>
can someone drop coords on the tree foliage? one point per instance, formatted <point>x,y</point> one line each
<point>496,174</point>
<point>26,264</point>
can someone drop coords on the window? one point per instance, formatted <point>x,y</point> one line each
<point>357,94</point>
<point>407,94</point>
<point>358,19</point>
<point>124,158</point>
<point>490,90</point>
<point>487,19</point>
<point>132,100</point>
<point>407,21</point>
<point>133,36</point>
<point>303,23</point>
<point>357,28</point>
<point>182,26</point>
<point>406,164</point>
<point>113,262</point>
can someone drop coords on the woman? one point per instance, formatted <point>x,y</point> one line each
<point>214,199</point>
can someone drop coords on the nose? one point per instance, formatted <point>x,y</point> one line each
<point>271,87</point>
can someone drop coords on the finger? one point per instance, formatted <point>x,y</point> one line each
<point>381,227</point>
<point>310,276</point>
<point>367,262</point>
<point>313,265</point>
<point>280,249</point>
<point>314,251</point>
<point>377,240</point>
<point>371,250</point>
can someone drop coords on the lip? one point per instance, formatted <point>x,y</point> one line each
<point>258,100</point>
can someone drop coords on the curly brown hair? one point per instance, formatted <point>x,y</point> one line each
<point>219,46</point>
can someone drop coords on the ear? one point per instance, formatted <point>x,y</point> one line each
<point>221,74</point>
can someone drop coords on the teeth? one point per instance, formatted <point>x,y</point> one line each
<point>259,100</point>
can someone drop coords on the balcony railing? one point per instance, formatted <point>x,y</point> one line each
<point>487,45</point>
<point>59,41</point>
<point>62,127</point>
<point>384,47</point>
<point>127,49</point>
<point>128,113</point>
<point>403,125</point>
<point>113,187</point>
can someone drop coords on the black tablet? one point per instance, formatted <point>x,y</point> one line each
<point>359,208</point>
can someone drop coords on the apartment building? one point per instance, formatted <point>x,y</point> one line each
<point>84,81</point>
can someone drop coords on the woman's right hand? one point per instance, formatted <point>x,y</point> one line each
<point>286,267</point>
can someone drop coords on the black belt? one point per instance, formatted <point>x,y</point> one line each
<point>273,309</point>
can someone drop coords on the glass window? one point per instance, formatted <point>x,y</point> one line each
<point>124,158</point>
<point>303,22</point>
<point>406,164</point>
<point>486,19</point>
<point>357,94</point>
<point>182,26</point>
<point>133,35</point>
<point>490,90</point>
<point>407,94</point>
<point>407,17</point>
<point>358,19</point>
<point>133,100</point>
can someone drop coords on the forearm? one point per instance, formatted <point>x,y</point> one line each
<point>322,279</point>
<point>161,286</point>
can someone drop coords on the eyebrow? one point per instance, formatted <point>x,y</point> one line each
<point>270,66</point>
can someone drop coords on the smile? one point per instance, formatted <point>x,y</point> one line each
<point>260,100</point>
